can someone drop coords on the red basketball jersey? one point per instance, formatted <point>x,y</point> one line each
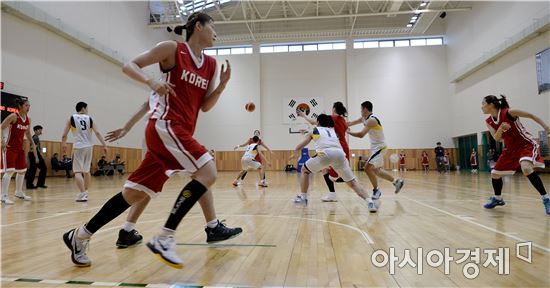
<point>16,133</point>
<point>473,158</point>
<point>425,159</point>
<point>340,127</point>
<point>402,159</point>
<point>191,80</point>
<point>517,136</point>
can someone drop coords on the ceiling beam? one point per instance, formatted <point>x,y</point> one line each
<point>341,16</point>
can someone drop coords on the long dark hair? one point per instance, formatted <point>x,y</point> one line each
<point>325,120</point>
<point>189,27</point>
<point>498,102</point>
<point>340,109</point>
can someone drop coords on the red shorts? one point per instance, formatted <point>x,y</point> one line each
<point>509,160</point>
<point>13,161</point>
<point>170,149</point>
<point>331,171</point>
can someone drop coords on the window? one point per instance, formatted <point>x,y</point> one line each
<point>229,50</point>
<point>224,51</point>
<point>383,43</point>
<point>296,47</point>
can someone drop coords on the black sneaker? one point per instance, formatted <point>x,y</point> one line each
<point>127,239</point>
<point>221,233</point>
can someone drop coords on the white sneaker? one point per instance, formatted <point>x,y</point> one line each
<point>6,200</point>
<point>165,248</point>
<point>398,184</point>
<point>263,183</point>
<point>299,200</point>
<point>23,196</point>
<point>372,207</point>
<point>82,197</point>
<point>329,197</point>
<point>78,248</point>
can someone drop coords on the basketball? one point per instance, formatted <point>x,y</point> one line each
<point>250,106</point>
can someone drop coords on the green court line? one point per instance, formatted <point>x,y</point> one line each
<point>80,282</point>
<point>226,245</point>
<point>28,280</point>
<point>132,285</point>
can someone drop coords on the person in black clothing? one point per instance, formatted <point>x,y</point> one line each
<point>440,157</point>
<point>31,172</point>
<point>61,165</point>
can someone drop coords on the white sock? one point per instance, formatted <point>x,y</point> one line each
<point>545,196</point>
<point>498,197</point>
<point>6,183</point>
<point>332,193</point>
<point>369,200</point>
<point>213,223</point>
<point>303,195</point>
<point>128,226</point>
<point>19,178</point>
<point>83,233</point>
<point>165,232</point>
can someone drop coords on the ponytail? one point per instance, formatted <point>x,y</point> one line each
<point>340,109</point>
<point>498,102</point>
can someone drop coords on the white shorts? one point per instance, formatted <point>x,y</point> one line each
<point>376,158</point>
<point>335,158</point>
<point>82,159</point>
<point>249,163</point>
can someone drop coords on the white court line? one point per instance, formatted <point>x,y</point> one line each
<point>48,217</point>
<point>467,219</point>
<point>365,235</point>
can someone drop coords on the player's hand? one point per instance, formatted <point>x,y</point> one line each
<point>236,147</point>
<point>116,134</point>
<point>225,73</point>
<point>105,150</point>
<point>64,148</point>
<point>504,127</point>
<point>162,88</point>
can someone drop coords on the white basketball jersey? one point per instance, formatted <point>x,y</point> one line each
<point>81,127</point>
<point>325,138</point>
<point>251,151</point>
<point>376,134</point>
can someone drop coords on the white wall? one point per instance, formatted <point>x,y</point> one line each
<point>513,75</point>
<point>55,74</point>
<point>488,24</point>
<point>409,91</point>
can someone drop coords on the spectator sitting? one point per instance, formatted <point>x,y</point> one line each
<point>68,161</point>
<point>118,164</point>
<point>60,165</point>
<point>103,167</point>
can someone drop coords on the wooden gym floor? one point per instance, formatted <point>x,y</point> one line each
<point>322,245</point>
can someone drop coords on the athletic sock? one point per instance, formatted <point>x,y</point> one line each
<point>329,182</point>
<point>110,210</point>
<point>537,183</point>
<point>190,194</point>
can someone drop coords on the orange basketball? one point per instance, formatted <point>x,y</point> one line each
<point>250,107</point>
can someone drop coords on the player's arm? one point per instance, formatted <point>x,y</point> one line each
<point>497,135</point>
<point>301,146</point>
<point>266,148</point>
<point>264,159</point>
<point>64,136</point>
<point>99,137</point>
<point>162,53</point>
<point>370,124</point>
<point>212,95</point>
<point>242,145</point>
<point>303,115</point>
<point>520,113</point>
<point>119,133</point>
<point>12,118</point>
<point>355,122</point>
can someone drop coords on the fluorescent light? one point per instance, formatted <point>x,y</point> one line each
<point>413,20</point>
<point>414,17</point>
<point>409,25</point>
<point>423,4</point>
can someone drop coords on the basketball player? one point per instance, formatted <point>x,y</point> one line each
<point>188,88</point>
<point>339,114</point>
<point>81,126</point>
<point>14,128</point>
<point>425,162</point>
<point>248,162</point>
<point>375,163</point>
<point>473,160</point>
<point>329,154</point>
<point>263,182</point>
<point>402,164</point>
<point>128,236</point>
<point>521,149</point>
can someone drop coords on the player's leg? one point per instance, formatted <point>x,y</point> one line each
<point>341,166</point>
<point>527,167</point>
<point>6,179</point>
<point>31,172</point>
<point>397,182</point>
<point>330,196</point>
<point>506,165</point>
<point>261,171</point>
<point>20,169</point>
<point>128,235</point>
